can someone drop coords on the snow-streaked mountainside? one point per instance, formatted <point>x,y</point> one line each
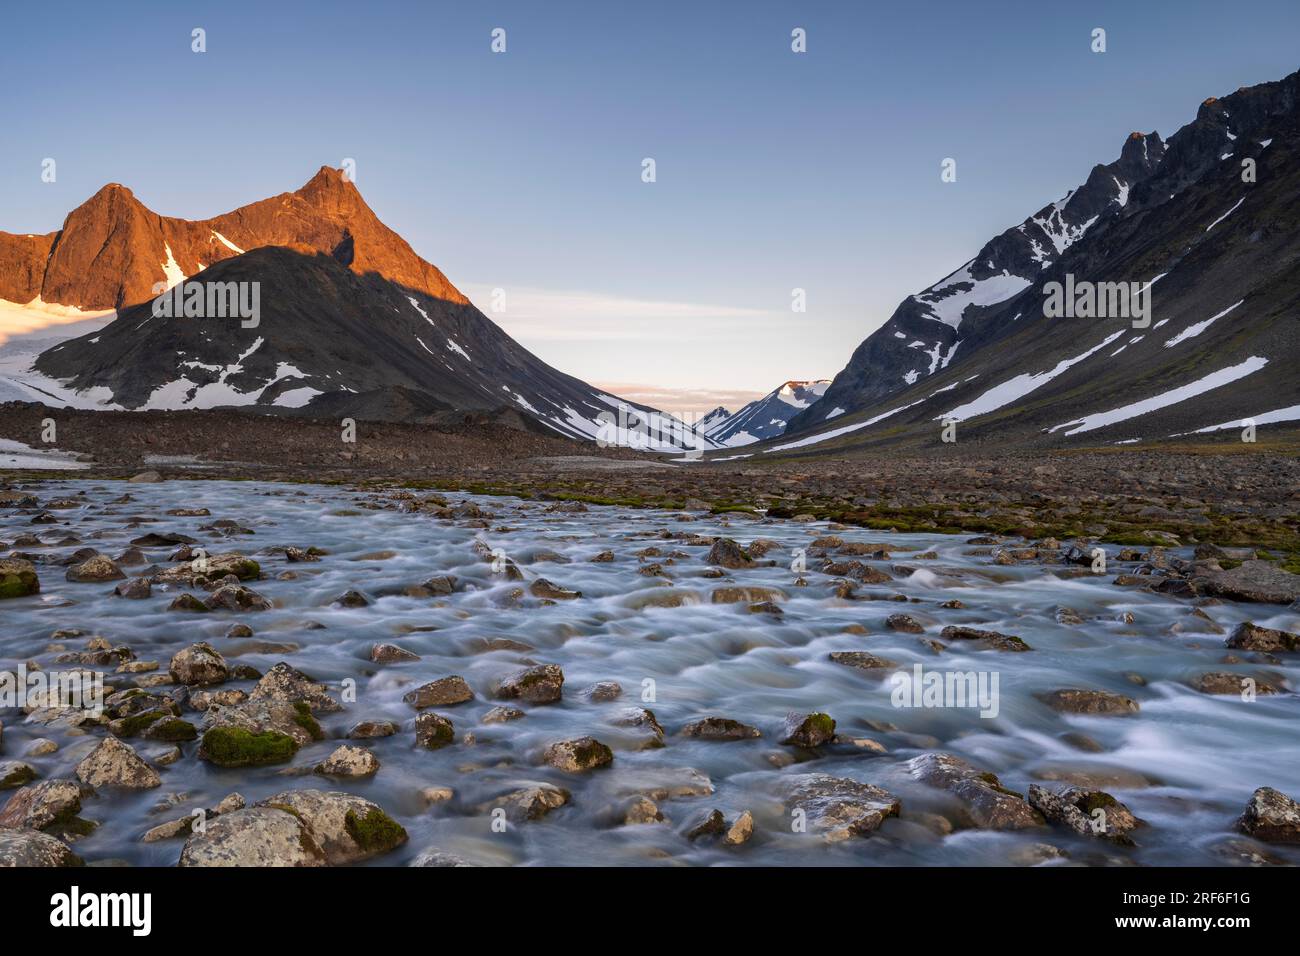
<point>765,417</point>
<point>352,321</point>
<point>1208,222</point>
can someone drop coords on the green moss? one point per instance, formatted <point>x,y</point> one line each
<point>23,774</point>
<point>19,585</point>
<point>1097,801</point>
<point>73,826</point>
<point>376,832</point>
<point>237,747</point>
<point>821,724</point>
<point>992,780</point>
<point>173,730</point>
<point>246,569</point>
<point>135,724</point>
<point>304,719</point>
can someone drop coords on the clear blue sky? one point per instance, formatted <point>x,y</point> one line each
<point>522,170</point>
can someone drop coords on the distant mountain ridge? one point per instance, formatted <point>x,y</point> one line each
<point>1219,244</point>
<point>765,417</point>
<point>352,319</point>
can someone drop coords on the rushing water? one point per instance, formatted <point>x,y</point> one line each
<point>1186,764</point>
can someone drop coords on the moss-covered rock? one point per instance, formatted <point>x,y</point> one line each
<point>237,747</point>
<point>374,831</point>
<point>18,578</point>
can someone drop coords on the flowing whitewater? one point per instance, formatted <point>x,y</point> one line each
<point>1185,764</point>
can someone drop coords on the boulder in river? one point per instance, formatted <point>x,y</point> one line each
<point>531,802</point>
<point>989,805</point>
<point>199,665</point>
<point>347,828</point>
<point>543,684</point>
<point>808,730</point>
<point>1251,637</point>
<point>542,588</point>
<point>26,847</point>
<point>443,692</point>
<point>348,761</point>
<point>45,804</point>
<point>116,764</point>
<point>18,578</point>
<point>1087,812</point>
<point>839,808</point>
<point>286,683</point>
<point>719,728</point>
<point>726,553</point>
<point>1271,816</point>
<point>1073,700</point>
<point>257,836</point>
<point>1255,580</point>
<point>579,754</point>
<point>993,640</point>
<point>434,731</point>
<point>100,567</point>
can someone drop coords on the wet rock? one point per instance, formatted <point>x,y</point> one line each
<point>1271,816</point>
<point>1080,701</point>
<point>542,588</point>
<point>236,597</point>
<point>604,691</point>
<point>18,578</point>
<point>40,806</point>
<point>26,848</point>
<point>713,824</point>
<point>199,665</point>
<point>135,589</point>
<point>258,836</point>
<point>642,810</point>
<point>370,729</point>
<point>905,623</point>
<point>1253,580</point>
<point>95,569</point>
<point>40,747</point>
<point>1251,637</point>
<point>146,477</point>
<point>257,732</point>
<point>500,715</point>
<point>352,599</point>
<point>443,692</point>
<point>808,730</point>
<point>989,805</point>
<point>602,557</point>
<point>1236,852</point>
<point>391,654</point>
<point>717,728</point>
<point>543,684</point>
<point>439,858</point>
<point>286,683</point>
<point>115,764</point>
<point>347,828</point>
<point>740,830</point>
<point>434,731</point>
<point>577,755</point>
<point>530,803</point>
<point>726,553</point>
<point>1092,813</point>
<point>349,761</point>
<point>239,630</point>
<point>1221,682</point>
<point>993,640</point>
<point>839,808</point>
<point>766,607</point>
<point>749,595</point>
<point>440,586</point>
<point>187,602</point>
<point>660,783</point>
<point>640,717</point>
<point>863,660</point>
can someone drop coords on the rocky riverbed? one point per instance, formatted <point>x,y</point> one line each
<point>329,675</point>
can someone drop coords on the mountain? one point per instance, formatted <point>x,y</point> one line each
<point>712,419</point>
<point>1216,251</point>
<point>351,321</point>
<point>765,417</point>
